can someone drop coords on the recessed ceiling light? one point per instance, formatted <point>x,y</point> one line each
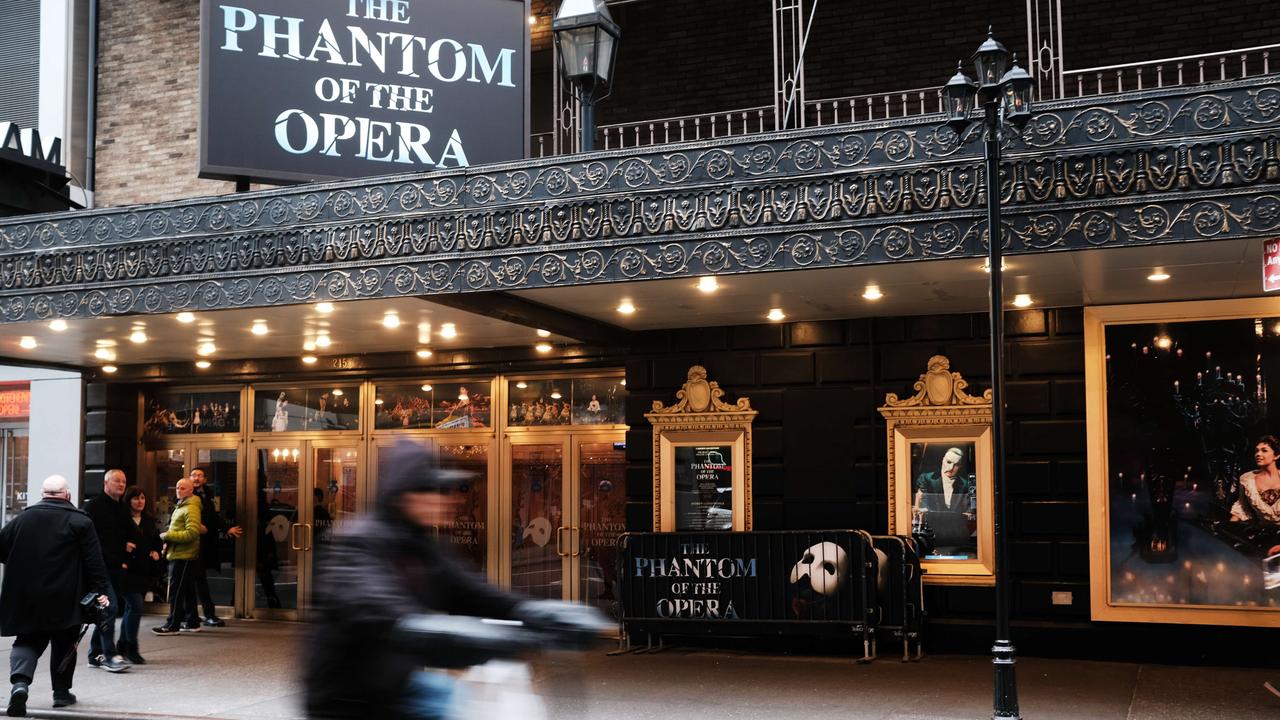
<point>309,359</point>
<point>391,321</point>
<point>109,369</point>
<point>323,341</point>
<point>1159,275</point>
<point>206,348</point>
<point>324,308</point>
<point>522,385</point>
<point>544,333</point>
<point>27,342</point>
<point>872,293</point>
<point>626,308</point>
<point>203,364</point>
<point>776,314</point>
<point>377,401</point>
<point>425,353</point>
<point>259,328</point>
<point>986,265</point>
<point>708,284</point>
<point>186,317</point>
<point>543,347</point>
<point>104,354</point>
<point>448,331</point>
<point>1022,300</point>
<point>555,394</point>
<point>138,336</point>
<point>58,325</point>
<point>426,388</point>
<point>424,333</point>
<point>309,345</point>
<point>337,392</point>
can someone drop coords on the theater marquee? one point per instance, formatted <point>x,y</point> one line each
<point>300,90</point>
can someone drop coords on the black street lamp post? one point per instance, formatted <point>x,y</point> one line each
<point>1006,102</point>
<point>587,40</point>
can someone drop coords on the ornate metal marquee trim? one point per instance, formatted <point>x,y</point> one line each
<point>1162,166</point>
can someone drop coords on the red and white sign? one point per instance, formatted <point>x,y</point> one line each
<point>15,402</point>
<point>1271,265</point>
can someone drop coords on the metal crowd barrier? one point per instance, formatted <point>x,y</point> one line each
<point>770,583</point>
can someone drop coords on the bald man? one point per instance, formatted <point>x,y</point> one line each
<point>50,552</point>
<point>182,550</point>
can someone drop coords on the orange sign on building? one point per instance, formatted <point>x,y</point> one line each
<point>15,402</point>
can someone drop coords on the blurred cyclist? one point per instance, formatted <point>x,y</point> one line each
<point>383,588</point>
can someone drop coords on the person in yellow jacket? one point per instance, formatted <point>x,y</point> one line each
<point>182,550</point>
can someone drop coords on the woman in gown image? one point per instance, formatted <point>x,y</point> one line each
<point>280,422</point>
<point>1259,499</point>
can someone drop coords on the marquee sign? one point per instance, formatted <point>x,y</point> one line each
<point>300,90</point>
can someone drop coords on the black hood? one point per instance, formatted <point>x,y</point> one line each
<point>411,467</point>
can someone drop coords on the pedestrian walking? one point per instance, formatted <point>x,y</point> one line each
<point>182,550</point>
<point>109,517</point>
<point>51,557</point>
<point>142,568</point>
<point>212,529</point>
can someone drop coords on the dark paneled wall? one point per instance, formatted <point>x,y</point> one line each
<point>110,433</point>
<point>819,458</point>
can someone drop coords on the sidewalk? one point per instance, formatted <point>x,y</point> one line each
<point>248,670</point>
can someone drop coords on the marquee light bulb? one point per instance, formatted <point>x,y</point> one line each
<point>203,364</point>
<point>424,353</point>
<point>708,284</point>
<point>206,348</point>
<point>259,328</point>
<point>448,331</point>
<point>1022,300</point>
<point>309,359</point>
<point>324,308</point>
<point>186,318</point>
<point>776,314</point>
<point>138,337</point>
<point>58,325</point>
<point>544,333</point>
<point>626,307</point>
<point>109,369</point>
<point>427,388</point>
<point>872,293</point>
<point>543,347</point>
<point>323,341</point>
<point>391,321</point>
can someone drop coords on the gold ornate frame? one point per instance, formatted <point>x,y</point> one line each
<point>1095,321</point>
<point>942,411</point>
<point>699,417</point>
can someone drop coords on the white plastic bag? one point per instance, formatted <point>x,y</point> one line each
<point>499,689</point>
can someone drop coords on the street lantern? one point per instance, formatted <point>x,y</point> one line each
<point>587,41</point>
<point>990,61</point>
<point>957,95</point>
<point>1005,94</point>
<point>1017,95</point>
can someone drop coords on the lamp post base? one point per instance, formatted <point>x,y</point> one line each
<point>1006,684</point>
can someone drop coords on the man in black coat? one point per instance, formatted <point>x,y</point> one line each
<point>51,558</point>
<point>109,516</point>
<point>363,659</point>
<point>210,559</point>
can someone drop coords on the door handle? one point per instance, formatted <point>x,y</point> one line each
<point>310,536</point>
<point>560,541</point>
<point>293,536</point>
<point>576,539</point>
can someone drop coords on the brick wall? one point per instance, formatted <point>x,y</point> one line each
<point>149,103</point>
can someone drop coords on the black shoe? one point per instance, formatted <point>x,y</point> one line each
<point>95,661</point>
<point>63,698</point>
<point>18,700</point>
<point>214,622</point>
<point>130,652</point>
<point>115,664</point>
<point>189,628</point>
<point>164,630</point>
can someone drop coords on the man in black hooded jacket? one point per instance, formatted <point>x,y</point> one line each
<point>380,573</point>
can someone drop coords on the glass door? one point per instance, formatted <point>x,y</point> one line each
<point>221,466</point>
<point>277,528</point>
<point>306,489</point>
<point>13,472</point>
<point>600,517</point>
<point>539,558</point>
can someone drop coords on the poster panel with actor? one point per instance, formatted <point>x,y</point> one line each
<point>1192,483</point>
<point>943,497</point>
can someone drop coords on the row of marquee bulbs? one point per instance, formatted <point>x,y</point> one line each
<point>207,347</point>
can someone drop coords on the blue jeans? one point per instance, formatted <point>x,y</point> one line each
<point>430,696</point>
<point>133,606</point>
<point>103,641</point>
